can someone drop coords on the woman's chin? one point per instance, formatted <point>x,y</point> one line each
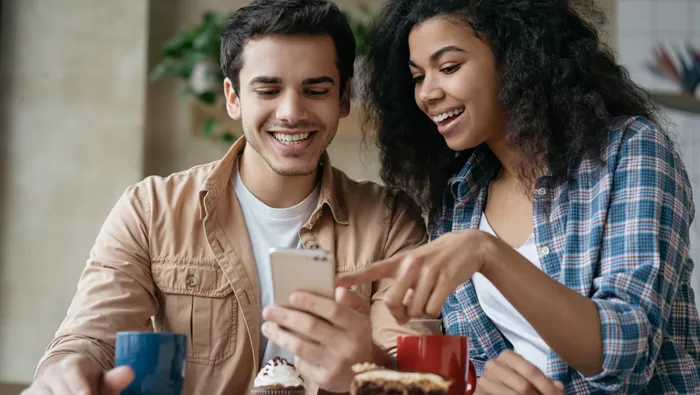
<point>461,142</point>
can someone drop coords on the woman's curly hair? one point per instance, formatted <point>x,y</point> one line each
<point>560,88</point>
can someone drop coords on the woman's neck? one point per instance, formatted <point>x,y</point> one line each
<point>506,155</point>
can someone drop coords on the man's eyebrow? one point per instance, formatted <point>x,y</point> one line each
<point>436,55</point>
<point>265,80</point>
<point>318,80</point>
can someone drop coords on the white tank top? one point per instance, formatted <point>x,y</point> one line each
<point>507,319</point>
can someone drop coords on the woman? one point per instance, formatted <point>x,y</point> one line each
<point>559,210</point>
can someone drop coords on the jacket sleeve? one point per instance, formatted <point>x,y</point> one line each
<point>406,230</point>
<point>643,257</point>
<point>115,291</point>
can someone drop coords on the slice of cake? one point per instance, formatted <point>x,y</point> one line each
<point>278,377</point>
<point>371,379</point>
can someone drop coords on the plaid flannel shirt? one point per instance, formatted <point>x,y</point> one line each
<point>617,232</point>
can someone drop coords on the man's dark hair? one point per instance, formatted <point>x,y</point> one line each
<point>304,17</point>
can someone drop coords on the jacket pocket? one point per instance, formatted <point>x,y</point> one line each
<point>197,300</point>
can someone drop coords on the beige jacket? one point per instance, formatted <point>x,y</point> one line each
<point>174,255</point>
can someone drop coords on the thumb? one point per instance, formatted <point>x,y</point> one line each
<point>115,380</point>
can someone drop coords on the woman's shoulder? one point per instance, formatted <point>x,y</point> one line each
<point>638,135</point>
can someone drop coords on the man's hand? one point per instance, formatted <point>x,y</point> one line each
<point>77,375</point>
<point>511,374</point>
<point>336,335</point>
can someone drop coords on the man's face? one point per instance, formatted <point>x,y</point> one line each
<point>289,100</point>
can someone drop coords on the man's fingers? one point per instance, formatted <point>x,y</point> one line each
<point>308,325</point>
<point>525,369</point>
<point>371,273</point>
<point>294,344</point>
<point>115,380</point>
<point>336,314</point>
<point>309,371</point>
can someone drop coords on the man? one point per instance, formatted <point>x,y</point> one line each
<point>190,250</point>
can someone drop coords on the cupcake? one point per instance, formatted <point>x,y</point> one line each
<point>371,379</point>
<point>278,377</point>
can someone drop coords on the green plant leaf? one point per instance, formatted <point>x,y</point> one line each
<point>205,40</point>
<point>209,127</point>
<point>228,137</point>
<point>208,97</point>
<point>165,67</point>
<point>209,18</point>
<point>178,45</point>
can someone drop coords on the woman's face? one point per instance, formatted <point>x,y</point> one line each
<point>456,83</point>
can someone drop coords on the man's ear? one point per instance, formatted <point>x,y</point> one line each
<point>233,101</point>
<point>345,100</point>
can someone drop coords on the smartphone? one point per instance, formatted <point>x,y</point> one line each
<point>301,270</point>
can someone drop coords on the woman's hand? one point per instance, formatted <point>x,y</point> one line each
<point>427,275</point>
<point>511,374</point>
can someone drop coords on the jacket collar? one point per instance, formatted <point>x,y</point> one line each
<point>220,178</point>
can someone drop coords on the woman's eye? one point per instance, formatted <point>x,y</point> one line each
<point>450,69</point>
<point>418,79</point>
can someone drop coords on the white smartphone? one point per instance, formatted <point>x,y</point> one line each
<point>301,270</point>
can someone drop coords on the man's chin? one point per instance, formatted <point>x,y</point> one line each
<point>294,172</point>
<point>283,167</point>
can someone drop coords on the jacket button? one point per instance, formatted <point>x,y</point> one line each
<point>191,281</point>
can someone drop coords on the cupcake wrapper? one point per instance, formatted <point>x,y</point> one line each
<point>277,391</point>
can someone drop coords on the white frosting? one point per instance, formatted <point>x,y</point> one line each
<point>279,371</point>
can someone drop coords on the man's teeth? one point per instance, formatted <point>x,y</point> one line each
<point>441,117</point>
<point>291,138</point>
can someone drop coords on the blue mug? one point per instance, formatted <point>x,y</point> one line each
<point>158,359</point>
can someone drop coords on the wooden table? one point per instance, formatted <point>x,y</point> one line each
<point>12,389</point>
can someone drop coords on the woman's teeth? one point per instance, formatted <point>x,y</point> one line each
<point>291,138</point>
<point>441,117</point>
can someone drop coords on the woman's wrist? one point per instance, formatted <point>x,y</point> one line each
<point>488,251</point>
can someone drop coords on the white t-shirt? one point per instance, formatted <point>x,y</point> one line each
<point>267,228</point>
<point>525,340</point>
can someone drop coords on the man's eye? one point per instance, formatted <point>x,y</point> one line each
<point>317,92</point>
<point>267,92</point>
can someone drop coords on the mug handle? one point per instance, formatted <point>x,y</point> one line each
<point>471,380</point>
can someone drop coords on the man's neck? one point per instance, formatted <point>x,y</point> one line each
<point>273,189</point>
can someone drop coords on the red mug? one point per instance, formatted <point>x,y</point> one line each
<point>440,354</point>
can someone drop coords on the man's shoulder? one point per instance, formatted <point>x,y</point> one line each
<point>347,185</point>
<point>175,188</point>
